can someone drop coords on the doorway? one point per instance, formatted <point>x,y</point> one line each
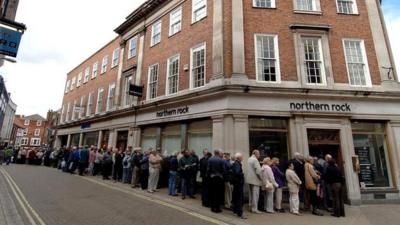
<point>122,140</point>
<point>324,141</point>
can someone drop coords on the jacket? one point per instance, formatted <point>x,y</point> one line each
<point>84,156</point>
<point>279,176</point>
<point>237,174</point>
<point>268,177</point>
<point>293,181</point>
<point>155,161</point>
<point>216,167</point>
<point>253,171</point>
<point>310,177</point>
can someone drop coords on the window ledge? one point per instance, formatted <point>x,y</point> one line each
<point>317,13</point>
<point>154,45</point>
<point>194,22</point>
<point>259,7</point>
<point>172,35</point>
<point>348,14</point>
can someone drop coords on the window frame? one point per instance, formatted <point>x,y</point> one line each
<point>368,79</point>
<point>86,77</point>
<point>89,104</point>
<point>39,123</point>
<point>277,58</point>
<point>104,65</point>
<point>171,59</point>
<point>27,122</point>
<point>131,53</point>
<point>199,47</point>
<point>67,86</point>
<point>194,10</point>
<point>67,117</point>
<point>33,140</point>
<point>157,65</point>
<point>24,141</point>
<point>171,24</point>
<point>273,5</point>
<point>355,8</point>
<point>79,80</point>
<point>81,106</point>
<point>73,83</point>
<point>95,69</point>
<point>115,57</point>
<point>304,74</point>
<point>127,81</point>
<point>153,34</point>
<point>99,100</point>
<point>316,4</point>
<point>110,99</point>
<point>37,132</point>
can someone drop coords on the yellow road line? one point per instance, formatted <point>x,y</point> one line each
<point>22,200</point>
<point>178,208</point>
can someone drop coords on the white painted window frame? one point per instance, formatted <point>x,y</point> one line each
<point>87,75</point>
<point>148,81</point>
<point>303,60</point>
<point>37,132</point>
<point>365,59</point>
<point>167,85</point>
<point>89,104</point>
<point>104,64</point>
<point>316,4</point>
<point>67,86</point>
<point>173,23</point>
<point>79,80</point>
<point>153,34</point>
<point>196,48</point>
<point>194,10</point>
<point>273,5</point>
<point>99,100</point>
<point>355,8</point>
<point>132,51</point>
<point>110,96</point>
<point>95,69</point>
<point>73,83</point>
<point>115,57</point>
<point>277,58</point>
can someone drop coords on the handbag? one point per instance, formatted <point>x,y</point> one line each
<point>269,186</point>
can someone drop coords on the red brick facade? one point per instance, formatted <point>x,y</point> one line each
<point>35,130</point>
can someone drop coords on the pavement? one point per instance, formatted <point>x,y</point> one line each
<point>60,198</point>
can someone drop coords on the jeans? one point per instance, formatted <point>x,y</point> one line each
<point>172,183</point>
<point>187,188</point>
<point>126,175</point>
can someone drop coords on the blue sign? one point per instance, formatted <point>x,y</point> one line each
<point>9,41</point>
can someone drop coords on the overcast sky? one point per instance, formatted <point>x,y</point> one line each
<point>62,33</point>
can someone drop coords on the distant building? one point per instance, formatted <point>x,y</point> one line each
<point>51,132</point>
<point>34,130</point>
<point>7,112</point>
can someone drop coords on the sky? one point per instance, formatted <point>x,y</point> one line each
<point>63,33</point>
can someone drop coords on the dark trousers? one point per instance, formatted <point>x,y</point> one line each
<point>106,170</point>
<point>338,203</point>
<point>82,168</point>
<point>217,187</point>
<point>144,179</point>
<point>187,186</point>
<point>237,199</point>
<point>313,199</point>
<point>117,172</point>
<point>96,168</point>
<point>205,199</point>
<point>8,160</point>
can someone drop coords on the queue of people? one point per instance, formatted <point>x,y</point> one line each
<point>317,182</point>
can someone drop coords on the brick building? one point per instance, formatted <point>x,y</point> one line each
<point>309,76</point>
<point>34,129</point>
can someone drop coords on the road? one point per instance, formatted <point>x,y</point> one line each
<point>63,199</point>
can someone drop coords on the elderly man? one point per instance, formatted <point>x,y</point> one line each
<point>135,163</point>
<point>254,180</point>
<point>238,182</point>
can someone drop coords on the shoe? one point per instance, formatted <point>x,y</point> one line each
<point>150,191</point>
<point>256,212</point>
<point>243,217</point>
<point>282,210</point>
<point>296,214</point>
<point>334,215</point>
<point>183,197</point>
<point>193,197</point>
<point>271,212</point>
<point>317,213</point>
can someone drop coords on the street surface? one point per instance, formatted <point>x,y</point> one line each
<point>46,196</point>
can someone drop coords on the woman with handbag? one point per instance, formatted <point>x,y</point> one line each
<point>269,185</point>
<point>312,178</point>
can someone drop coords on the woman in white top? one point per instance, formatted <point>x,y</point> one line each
<point>269,185</point>
<point>294,183</point>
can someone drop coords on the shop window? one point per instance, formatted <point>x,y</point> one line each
<point>171,140</point>
<point>200,136</point>
<point>370,146</point>
<point>270,137</point>
<point>91,138</point>
<point>75,140</point>
<point>149,138</point>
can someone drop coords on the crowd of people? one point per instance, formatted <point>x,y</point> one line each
<point>316,182</point>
